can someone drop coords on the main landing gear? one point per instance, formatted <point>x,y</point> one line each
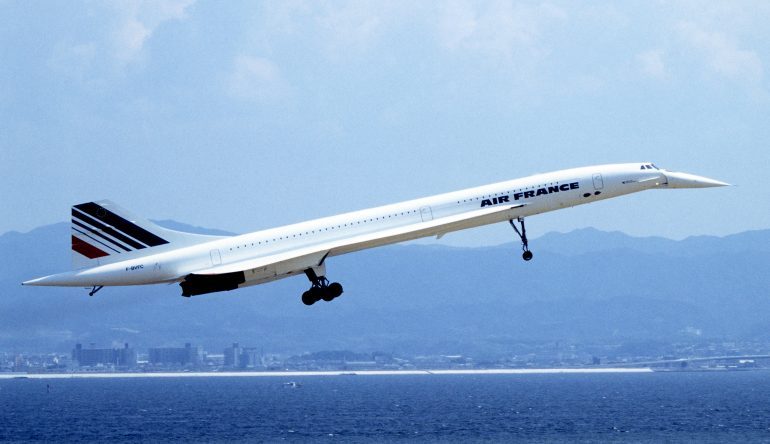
<point>527,255</point>
<point>321,289</point>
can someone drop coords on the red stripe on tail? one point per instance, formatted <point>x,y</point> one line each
<point>87,249</point>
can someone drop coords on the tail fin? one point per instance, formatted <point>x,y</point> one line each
<point>102,232</point>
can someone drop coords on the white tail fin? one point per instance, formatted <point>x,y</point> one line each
<point>102,232</point>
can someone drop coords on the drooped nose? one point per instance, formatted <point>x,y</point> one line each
<point>686,180</point>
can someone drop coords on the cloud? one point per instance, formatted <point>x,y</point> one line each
<point>497,28</point>
<point>341,29</point>
<point>256,78</point>
<point>651,63</point>
<point>129,39</point>
<point>722,54</point>
<point>354,26</point>
<point>338,29</point>
<point>137,20</point>
<point>117,39</point>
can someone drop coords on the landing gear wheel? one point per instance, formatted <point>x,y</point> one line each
<point>308,298</point>
<point>327,295</point>
<point>527,255</point>
<point>335,289</point>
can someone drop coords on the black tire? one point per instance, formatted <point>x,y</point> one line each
<point>335,289</point>
<point>308,298</point>
<point>326,295</point>
<point>317,293</point>
<point>527,256</point>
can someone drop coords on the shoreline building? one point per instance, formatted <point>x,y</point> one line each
<point>176,356</point>
<point>104,357</point>
<point>238,357</point>
<point>233,356</point>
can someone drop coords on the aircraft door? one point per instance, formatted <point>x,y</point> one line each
<point>216,258</point>
<point>426,214</point>
<point>598,182</point>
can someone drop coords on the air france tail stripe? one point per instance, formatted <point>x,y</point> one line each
<point>121,224</point>
<point>107,229</point>
<point>93,239</point>
<point>100,235</point>
<point>86,249</point>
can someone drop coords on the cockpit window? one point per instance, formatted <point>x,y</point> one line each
<point>649,167</point>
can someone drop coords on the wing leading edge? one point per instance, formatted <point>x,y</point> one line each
<point>267,268</point>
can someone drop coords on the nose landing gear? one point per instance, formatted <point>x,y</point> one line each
<point>527,255</point>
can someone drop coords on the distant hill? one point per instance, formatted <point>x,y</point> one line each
<point>586,286</point>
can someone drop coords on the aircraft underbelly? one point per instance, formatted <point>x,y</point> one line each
<point>261,273</point>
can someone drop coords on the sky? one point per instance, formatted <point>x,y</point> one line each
<point>248,115</point>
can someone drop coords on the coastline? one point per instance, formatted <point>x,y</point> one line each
<point>527,371</point>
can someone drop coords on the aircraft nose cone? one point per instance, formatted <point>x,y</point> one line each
<point>37,281</point>
<point>686,180</point>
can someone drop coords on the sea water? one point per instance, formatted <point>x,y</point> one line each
<point>675,406</point>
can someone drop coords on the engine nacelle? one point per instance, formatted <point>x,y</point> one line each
<point>197,284</point>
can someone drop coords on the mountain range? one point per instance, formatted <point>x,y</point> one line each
<point>586,286</point>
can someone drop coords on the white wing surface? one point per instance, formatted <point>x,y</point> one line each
<point>294,261</point>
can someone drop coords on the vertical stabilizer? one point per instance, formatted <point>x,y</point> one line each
<point>102,232</point>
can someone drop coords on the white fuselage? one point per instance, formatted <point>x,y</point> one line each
<point>378,226</point>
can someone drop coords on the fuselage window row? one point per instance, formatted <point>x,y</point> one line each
<point>307,233</point>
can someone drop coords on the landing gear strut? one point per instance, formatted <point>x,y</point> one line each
<point>527,255</point>
<point>320,289</point>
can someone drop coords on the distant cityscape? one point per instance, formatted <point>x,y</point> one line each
<point>235,357</point>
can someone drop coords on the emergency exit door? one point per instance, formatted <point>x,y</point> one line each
<point>216,258</point>
<point>598,181</point>
<point>426,214</point>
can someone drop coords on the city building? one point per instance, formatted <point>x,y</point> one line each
<point>179,356</point>
<point>243,357</point>
<point>114,357</point>
<point>233,356</point>
<point>251,358</point>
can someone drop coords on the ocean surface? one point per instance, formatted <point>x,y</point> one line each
<point>687,406</point>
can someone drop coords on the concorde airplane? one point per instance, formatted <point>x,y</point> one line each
<point>112,247</point>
